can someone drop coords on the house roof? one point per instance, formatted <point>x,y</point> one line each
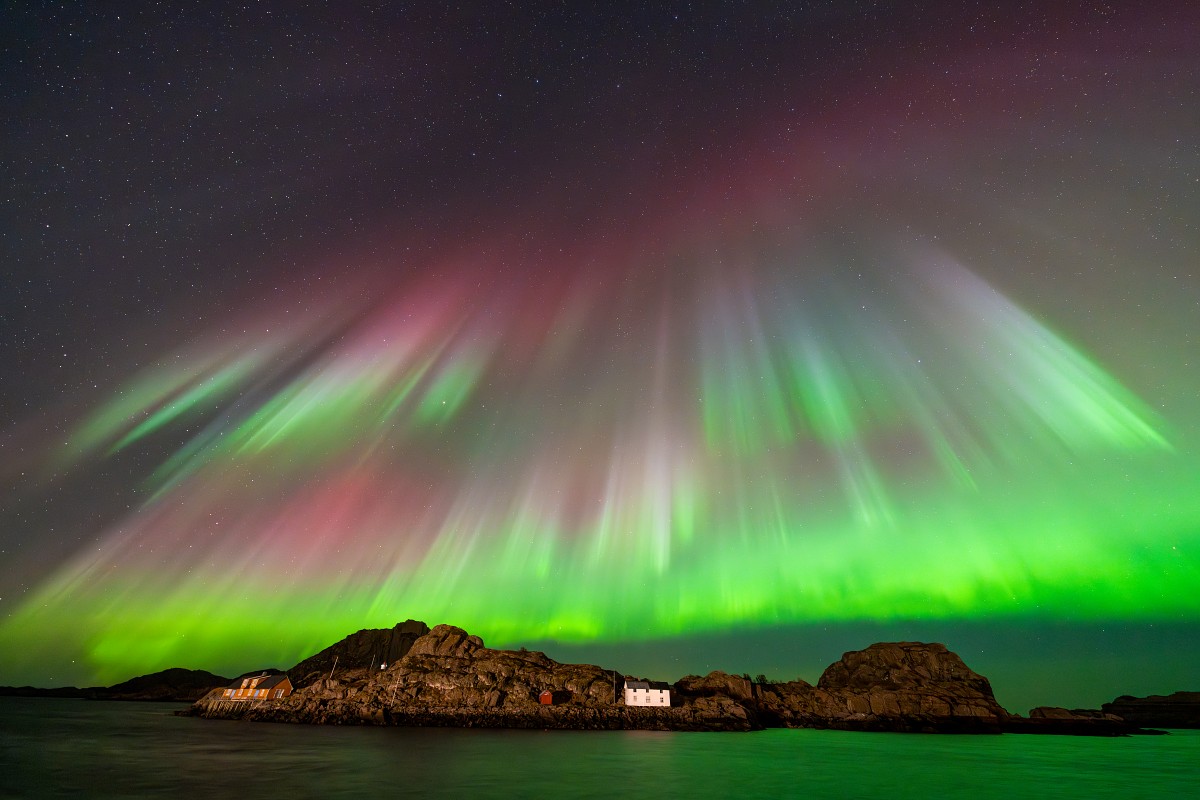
<point>273,681</point>
<point>661,685</point>
<point>265,682</point>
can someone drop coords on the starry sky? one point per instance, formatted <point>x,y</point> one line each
<point>670,336</point>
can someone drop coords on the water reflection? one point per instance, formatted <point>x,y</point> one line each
<point>65,748</point>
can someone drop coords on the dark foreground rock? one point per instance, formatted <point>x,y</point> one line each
<point>1074,722</point>
<point>1178,710</point>
<point>1125,715</point>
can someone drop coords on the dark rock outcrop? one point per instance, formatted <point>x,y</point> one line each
<point>1074,722</point>
<point>366,649</point>
<point>1075,714</point>
<point>1123,716</point>
<point>1178,710</point>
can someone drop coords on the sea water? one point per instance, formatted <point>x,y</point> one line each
<point>81,749</point>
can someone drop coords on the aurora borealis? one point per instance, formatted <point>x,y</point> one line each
<point>615,329</point>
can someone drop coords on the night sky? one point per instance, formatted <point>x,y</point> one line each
<point>707,335</point>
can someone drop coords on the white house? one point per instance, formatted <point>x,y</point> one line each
<point>647,693</point>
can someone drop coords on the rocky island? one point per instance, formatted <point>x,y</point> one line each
<point>412,675</point>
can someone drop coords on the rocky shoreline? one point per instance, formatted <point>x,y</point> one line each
<point>341,712</point>
<point>444,677</point>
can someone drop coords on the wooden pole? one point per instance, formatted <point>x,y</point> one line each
<point>331,669</point>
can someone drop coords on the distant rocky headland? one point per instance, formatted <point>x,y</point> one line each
<point>411,675</point>
<point>169,685</point>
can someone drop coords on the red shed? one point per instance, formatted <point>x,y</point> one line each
<point>546,698</point>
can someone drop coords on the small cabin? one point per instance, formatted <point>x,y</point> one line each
<point>546,698</point>
<point>647,693</point>
<point>258,687</point>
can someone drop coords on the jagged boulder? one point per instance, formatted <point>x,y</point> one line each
<point>447,640</point>
<point>716,683</point>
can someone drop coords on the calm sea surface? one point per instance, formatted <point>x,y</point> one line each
<point>80,749</point>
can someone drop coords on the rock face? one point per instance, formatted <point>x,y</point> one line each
<point>900,666</point>
<point>716,683</point>
<point>366,649</point>
<point>1178,710</point>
